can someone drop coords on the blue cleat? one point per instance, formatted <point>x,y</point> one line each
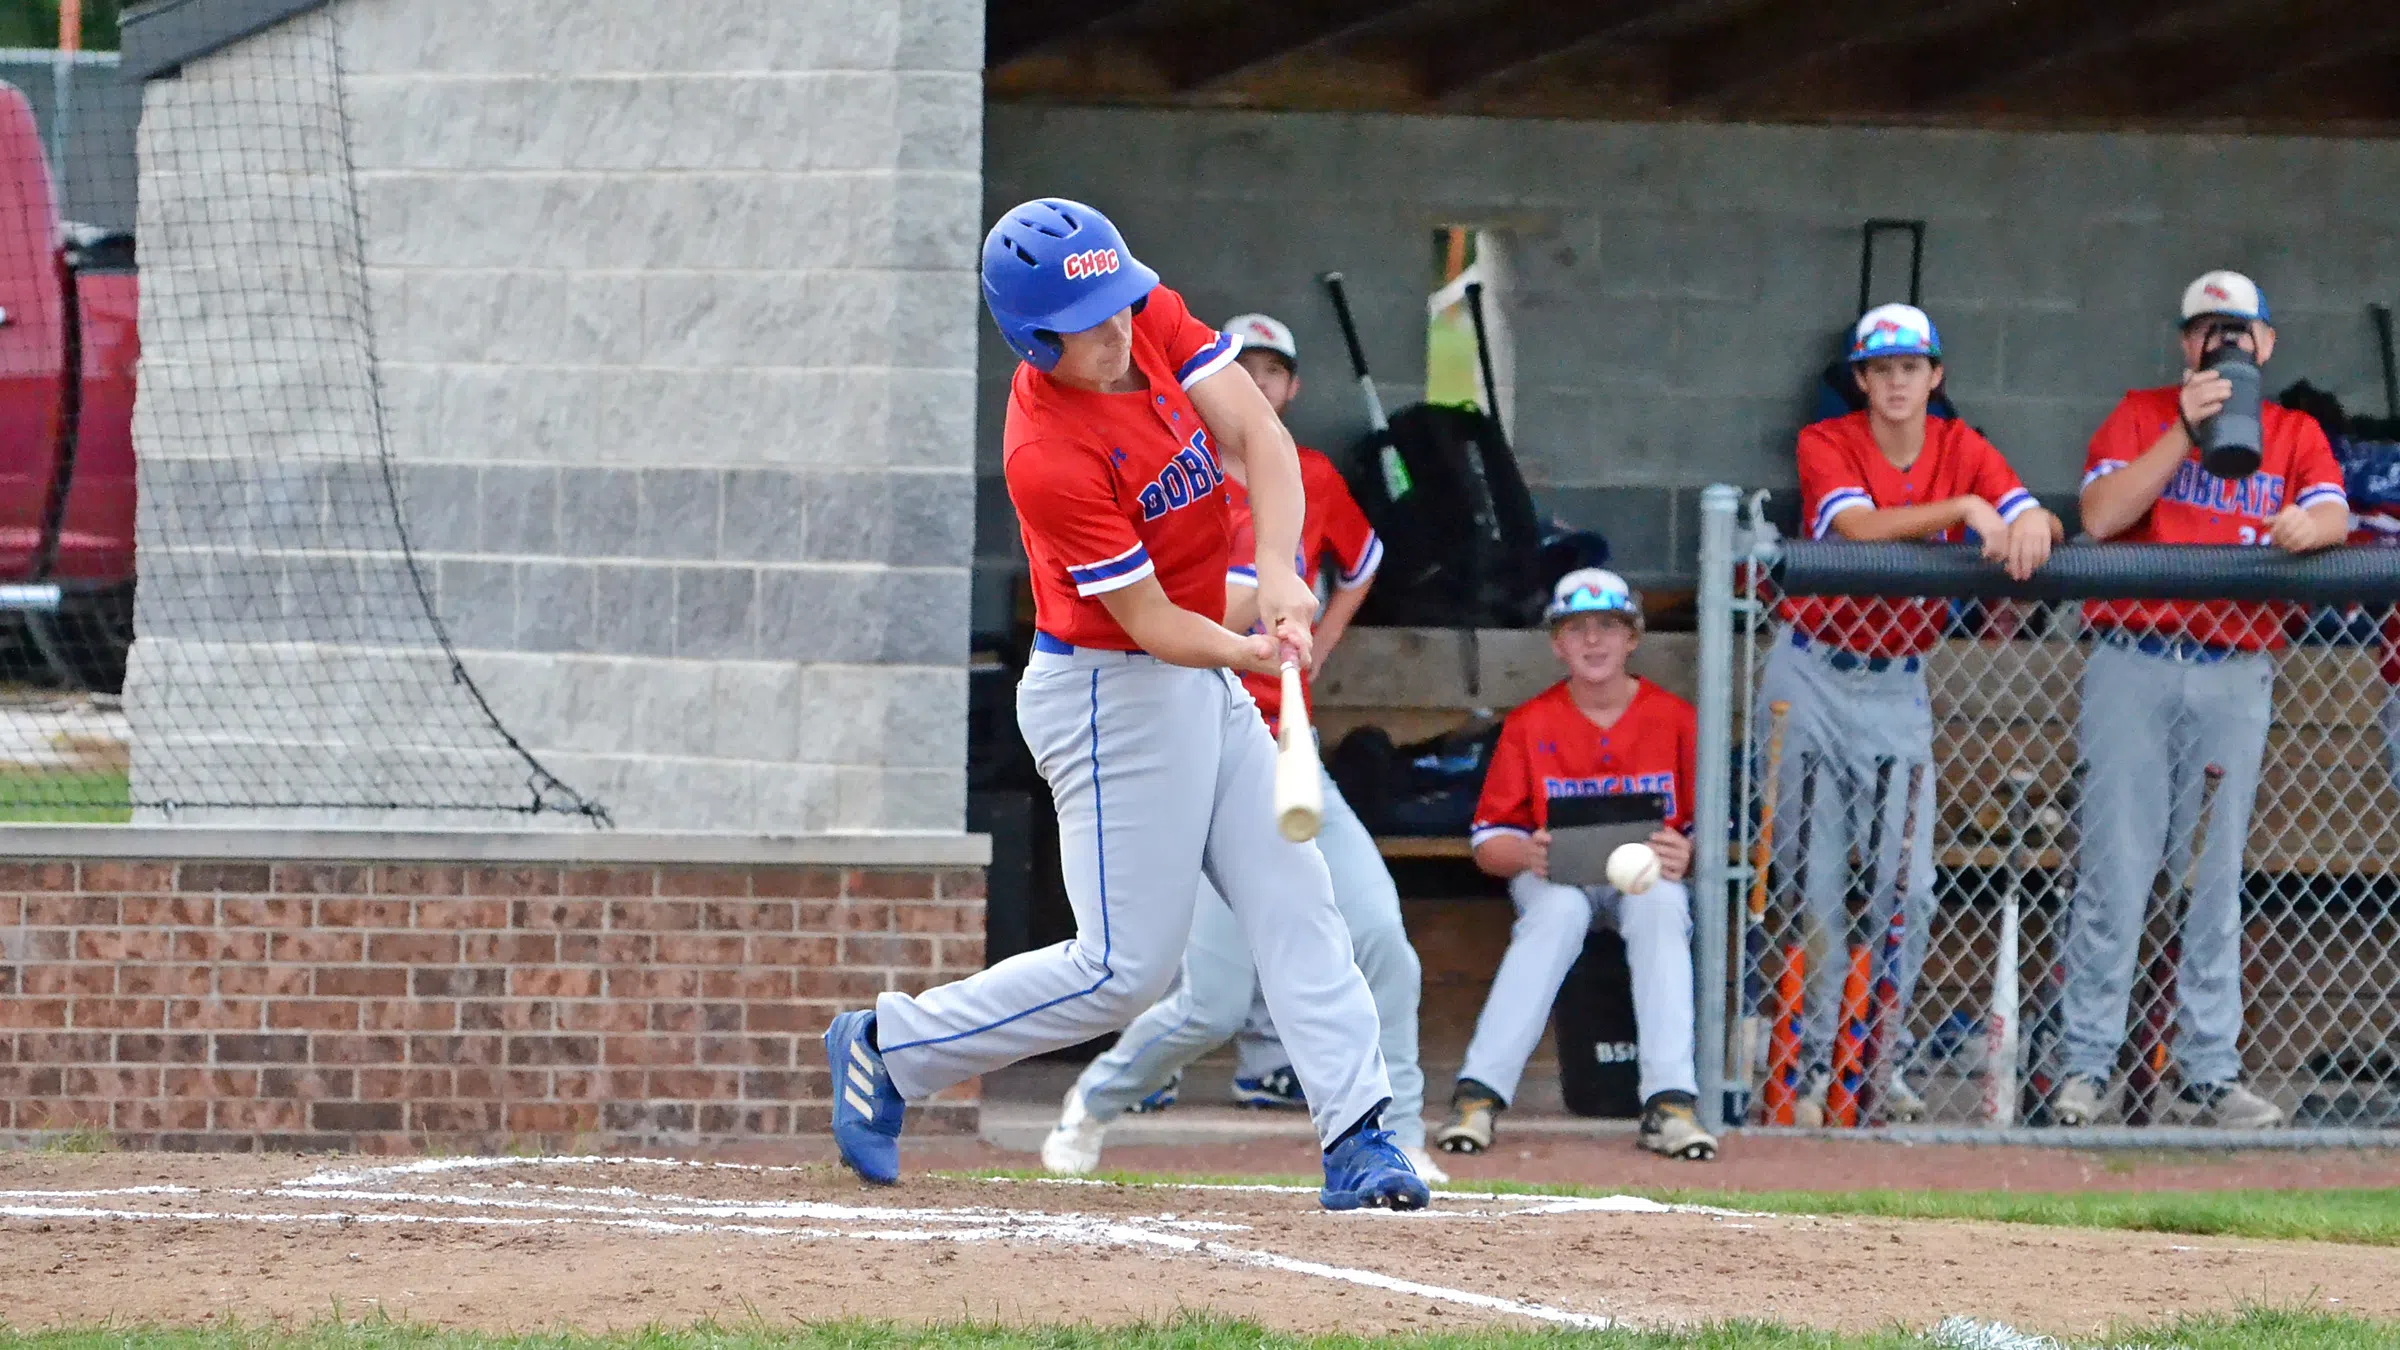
<point>1276,1088</point>
<point>867,1109</point>
<point>1162,1099</point>
<point>1368,1171</point>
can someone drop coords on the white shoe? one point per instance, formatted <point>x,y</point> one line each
<point>2079,1100</point>
<point>2225,1106</point>
<point>1901,1102</point>
<point>1428,1170</point>
<point>1808,1105</point>
<point>1073,1147</point>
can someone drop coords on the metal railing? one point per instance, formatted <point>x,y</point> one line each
<point>2153,845</point>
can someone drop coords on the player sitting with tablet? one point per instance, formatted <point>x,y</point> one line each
<point>1600,760</point>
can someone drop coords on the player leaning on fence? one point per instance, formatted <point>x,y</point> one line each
<point>1853,670</point>
<point>2172,687</point>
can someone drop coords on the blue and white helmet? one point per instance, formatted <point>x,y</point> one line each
<point>1894,330</point>
<point>1053,266</point>
<point>1593,590</point>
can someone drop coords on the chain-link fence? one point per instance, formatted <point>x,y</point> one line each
<point>1965,894</point>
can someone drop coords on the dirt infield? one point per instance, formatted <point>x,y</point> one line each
<point>508,1244</point>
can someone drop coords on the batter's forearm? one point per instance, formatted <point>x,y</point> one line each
<point>1168,631</point>
<point>1277,501</point>
<point>2114,502</point>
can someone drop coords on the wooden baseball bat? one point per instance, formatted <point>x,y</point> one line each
<point>2156,1031</point>
<point>1754,931</point>
<point>1883,1033</point>
<point>1299,782</point>
<point>2000,1039</point>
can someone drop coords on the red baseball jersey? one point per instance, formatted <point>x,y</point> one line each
<point>2379,527</point>
<point>1841,469</point>
<point>2197,507</point>
<point>1548,749</point>
<point>1332,526</point>
<point>1112,488</point>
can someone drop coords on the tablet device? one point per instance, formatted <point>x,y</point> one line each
<point>1585,830</point>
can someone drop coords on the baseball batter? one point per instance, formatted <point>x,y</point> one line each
<point>1123,418</point>
<point>2170,688</point>
<point>1853,670</point>
<point>1599,732</point>
<point>1213,1000</point>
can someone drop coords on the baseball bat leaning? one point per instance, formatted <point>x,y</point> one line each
<point>1883,1033</point>
<point>2149,1070</point>
<point>1299,782</point>
<point>2000,1039</point>
<point>1754,931</point>
<point>1842,1096</point>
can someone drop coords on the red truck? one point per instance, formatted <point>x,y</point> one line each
<point>68,348</point>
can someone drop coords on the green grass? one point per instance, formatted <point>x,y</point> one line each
<point>2360,1217</point>
<point>75,1141</point>
<point>102,796</point>
<point>2257,1329</point>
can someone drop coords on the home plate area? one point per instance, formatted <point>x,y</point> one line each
<point>525,1243</point>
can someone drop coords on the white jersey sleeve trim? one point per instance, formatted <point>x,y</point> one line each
<point>1209,360</point>
<point>1836,502</point>
<point>1115,583</point>
<point>2324,492</point>
<point>1367,563</point>
<point>2101,470</point>
<point>1481,833</point>
<point>2015,504</point>
<point>1242,576</point>
<point>1109,574</point>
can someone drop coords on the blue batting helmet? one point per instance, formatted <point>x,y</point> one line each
<point>1054,266</point>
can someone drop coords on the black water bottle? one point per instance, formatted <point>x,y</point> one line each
<point>2232,441</point>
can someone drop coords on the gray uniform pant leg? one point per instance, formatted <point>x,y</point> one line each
<point>1207,1006</point>
<point>2150,726</point>
<point>1841,722</point>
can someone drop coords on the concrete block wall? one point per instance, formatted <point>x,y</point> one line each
<point>1679,285</point>
<point>670,313</point>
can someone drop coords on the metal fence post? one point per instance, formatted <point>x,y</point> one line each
<point>1712,813</point>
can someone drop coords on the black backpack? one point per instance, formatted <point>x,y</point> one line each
<point>1461,541</point>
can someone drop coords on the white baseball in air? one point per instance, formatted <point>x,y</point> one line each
<point>1633,868</point>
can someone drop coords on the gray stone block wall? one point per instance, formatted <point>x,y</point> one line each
<point>671,314</point>
<point>1679,285</point>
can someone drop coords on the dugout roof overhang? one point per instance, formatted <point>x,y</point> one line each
<point>2329,67</point>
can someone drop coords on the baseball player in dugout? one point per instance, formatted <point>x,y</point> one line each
<point>1601,731</point>
<point>2173,688</point>
<point>1125,417</point>
<point>1220,981</point>
<point>1859,723</point>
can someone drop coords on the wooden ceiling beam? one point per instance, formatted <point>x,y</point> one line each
<point>1462,58</point>
<point>1740,51</point>
<point>1263,33</point>
<point>1011,28</point>
<point>2045,38</point>
<point>2363,34</point>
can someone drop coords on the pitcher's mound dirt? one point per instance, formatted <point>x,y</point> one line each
<point>511,1244</point>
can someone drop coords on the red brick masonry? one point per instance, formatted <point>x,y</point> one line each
<point>388,1007</point>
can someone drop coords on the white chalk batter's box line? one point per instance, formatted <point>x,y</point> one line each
<point>518,1204</point>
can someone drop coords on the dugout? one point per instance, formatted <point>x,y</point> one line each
<point>1681,186</point>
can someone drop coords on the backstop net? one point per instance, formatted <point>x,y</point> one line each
<point>211,606</point>
<point>2151,842</point>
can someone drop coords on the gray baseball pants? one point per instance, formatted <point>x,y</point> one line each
<point>2150,726</point>
<point>1161,774</point>
<point>1213,1001</point>
<point>1840,724</point>
<point>1552,920</point>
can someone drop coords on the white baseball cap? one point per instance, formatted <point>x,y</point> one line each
<point>1265,333</point>
<point>1593,590</point>
<point>2227,293</point>
<point>1894,330</point>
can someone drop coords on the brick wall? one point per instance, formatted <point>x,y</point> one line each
<point>390,1007</point>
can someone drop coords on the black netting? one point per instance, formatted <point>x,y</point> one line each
<point>282,650</point>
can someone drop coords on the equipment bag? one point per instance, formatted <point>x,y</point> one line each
<point>1599,1060</point>
<point>1461,542</point>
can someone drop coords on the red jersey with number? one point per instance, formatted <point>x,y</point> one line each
<point>2296,468</point>
<point>1842,470</point>
<point>1549,749</point>
<point>1112,488</point>
<point>1332,527</point>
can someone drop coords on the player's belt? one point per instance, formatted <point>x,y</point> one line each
<point>2174,649</point>
<point>1046,645</point>
<point>1848,661</point>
